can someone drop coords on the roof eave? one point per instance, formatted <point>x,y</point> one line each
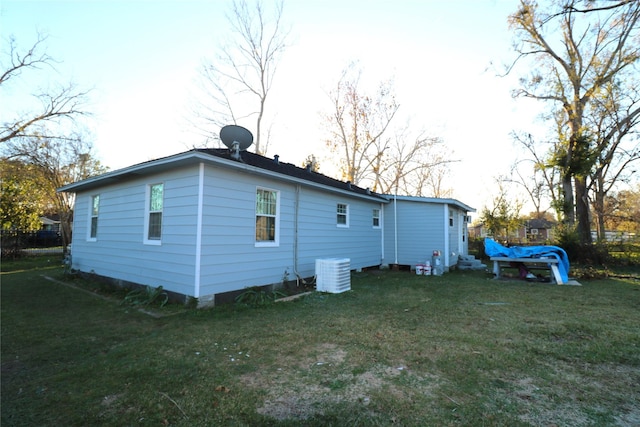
<point>435,200</point>
<point>195,157</point>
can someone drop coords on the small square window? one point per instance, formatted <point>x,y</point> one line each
<point>376,218</point>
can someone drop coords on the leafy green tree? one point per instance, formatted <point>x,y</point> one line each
<point>59,161</point>
<point>22,196</point>
<point>623,211</point>
<point>311,162</point>
<point>503,218</point>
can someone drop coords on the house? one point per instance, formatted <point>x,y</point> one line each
<point>50,223</point>
<point>415,227</point>
<point>211,221</point>
<point>537,230</point>
<point>534,231</point>
<point>202,223</point>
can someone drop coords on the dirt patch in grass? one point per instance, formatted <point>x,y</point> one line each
<point>557,404</point>
<point>307,389</point>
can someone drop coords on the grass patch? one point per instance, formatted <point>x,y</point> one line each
<point>459,349</point>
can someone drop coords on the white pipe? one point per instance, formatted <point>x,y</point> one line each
<point>447,232</point>
<point>395,225</point>
<point>382,251</point>
<point>295,236</point>
<point>196,290</point>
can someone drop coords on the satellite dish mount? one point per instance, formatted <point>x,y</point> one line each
<point>236,138</point>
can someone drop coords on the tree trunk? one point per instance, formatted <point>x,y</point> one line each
<point>582,211</point>
<point>598,208</point>
<point>65,229</point>
<point>567,202</point>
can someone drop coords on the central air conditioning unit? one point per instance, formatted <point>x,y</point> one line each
<point>333,275</point>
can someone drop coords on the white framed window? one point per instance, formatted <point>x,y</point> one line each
<point>94,211</point>
<point>267,217</point>
<point>153,215</point>
<point>342,215</point>
<point>376,218</point>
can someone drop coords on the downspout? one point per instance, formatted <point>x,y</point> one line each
<point>395,225</point>
<point>382,232</point>
<point>295,236</point>
<point>196,290</point>
<point>446,236</point>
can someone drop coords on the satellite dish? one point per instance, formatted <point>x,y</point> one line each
<point>232,135</point>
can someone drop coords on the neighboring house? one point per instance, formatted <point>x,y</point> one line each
<point>415,227</point>
<point>533,231</point>
<point>49,233</point>
<point>202,223</point>
<point>50,223</point>
<point>478,231</point>
<point>536,230</point>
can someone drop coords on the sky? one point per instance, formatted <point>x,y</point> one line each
<point>141,59</point>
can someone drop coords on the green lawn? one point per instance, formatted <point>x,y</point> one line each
<point>398,349</point>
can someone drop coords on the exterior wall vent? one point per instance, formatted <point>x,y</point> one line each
<point>333,275</point>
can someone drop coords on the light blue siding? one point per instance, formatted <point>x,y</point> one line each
<point>217,252</point>
<point>422,227</point>
<point>420,231</point>
<point>320,236</point>
<point>228,256</point>
<point>230,259</point>
<point>119,252</point>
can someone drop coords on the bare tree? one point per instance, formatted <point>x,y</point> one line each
<point>236,83</point>
<point>592,7</point>
<point>374,152</point>
<point>613,121</point>
<point>62,105</point>
<point>591,51</point>
<point>435,181</point>
<point>358,125</point>
<point>413,165</point>
<point>539,179</point>
<point>47,139</point>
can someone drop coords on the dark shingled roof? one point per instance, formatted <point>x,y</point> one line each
<point>273,165</point>
<point>540,223</point>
